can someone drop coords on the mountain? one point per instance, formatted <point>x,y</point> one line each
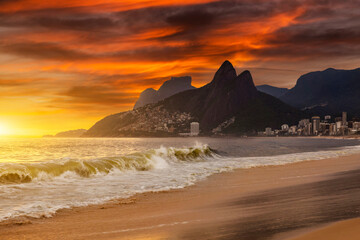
<point>169,88</point>
<point>229,104</point>
<point>71,133</point>
<point>148,96</point>
<point>230,96</point>
<point>331,91</point>
<point>273,91</point>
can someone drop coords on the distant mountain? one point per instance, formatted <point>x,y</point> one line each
<point>331,91</point>
<point>169,88</point>
<point>273,91</point>
<point>228,96</point>
<point>229,104</point>
<point>71,133</point>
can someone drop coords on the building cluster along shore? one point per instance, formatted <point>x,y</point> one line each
<point>157,119</point>
<point>339,126</point>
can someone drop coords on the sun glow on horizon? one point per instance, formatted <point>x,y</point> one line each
<point>7,131</point>
<point>4,129</point>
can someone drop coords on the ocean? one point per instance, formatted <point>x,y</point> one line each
<point>40,176</point>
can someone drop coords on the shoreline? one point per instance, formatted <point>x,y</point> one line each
<point>356,136</point>
<point>182,211</point>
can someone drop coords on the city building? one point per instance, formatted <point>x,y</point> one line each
<point>332,129</point>
<point>324,128</point>
<point>293,130</point>
<point>344,130</point>
<point>344,119</point>
<point>268,131</point>
<point>338,119</point>
<point>285,127</point>
<point>356,126</point>
<point>316,125</point>
<point>303,123</point>
<point>194,128</point>
<point>307,129</point>
<point>327,119</point>
<point>338,126</point>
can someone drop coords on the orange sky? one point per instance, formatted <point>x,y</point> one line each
<point>66,64</point>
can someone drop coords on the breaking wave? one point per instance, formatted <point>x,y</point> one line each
<point>37,181</point>
<point>153,159</point>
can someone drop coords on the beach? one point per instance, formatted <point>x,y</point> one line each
<point>290,201</point>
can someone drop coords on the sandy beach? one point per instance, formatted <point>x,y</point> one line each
<point>348,229</point>
<point>306,200</point>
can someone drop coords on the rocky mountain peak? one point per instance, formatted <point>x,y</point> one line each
<point>245,84</point>
<point>167,89</point>
<point>224,74</point>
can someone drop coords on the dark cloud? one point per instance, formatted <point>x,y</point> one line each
<point>158,53</point>
<point>79,24</point>
<point>191,19</point>
<point>307,36</point>
<point>194,17</point>
<point>173,53</point>
<point>320,39</point>
<point>102,95</point>
<point>196,23</point>
<point>59,21</point>
<point>42,51</point>
<point>304,53</point>
<point>8,1</point>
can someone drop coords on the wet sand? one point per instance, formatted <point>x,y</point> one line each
<point>277,202</point>
<point>347,229</point>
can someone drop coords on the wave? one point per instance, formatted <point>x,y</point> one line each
<point>40,189</point>
<point>11,173</point>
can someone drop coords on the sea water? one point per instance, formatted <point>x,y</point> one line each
<point>40,176</point>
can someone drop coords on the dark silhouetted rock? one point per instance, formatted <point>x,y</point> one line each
<point>169,88</point>
<point>271,90</point>
<point>230,102</point>
<point>331,91</point>
<point>148,96</point>
<point>227,96</point>
<point>71,133</point>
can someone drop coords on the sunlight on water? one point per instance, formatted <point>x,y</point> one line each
<point>40,176</point>
<point>4,130</point>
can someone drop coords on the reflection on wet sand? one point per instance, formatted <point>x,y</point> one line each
<point>289,208</point>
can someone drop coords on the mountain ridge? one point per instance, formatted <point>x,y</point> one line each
<point>229,98</point>
<point>331,90</point>
<point>207,102</point>
<point>69,134</point>
<point>271,90</point>
<point>167,89</point>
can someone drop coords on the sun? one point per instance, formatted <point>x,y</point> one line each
<point>4,130</point>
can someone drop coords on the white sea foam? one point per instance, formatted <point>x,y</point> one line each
<point>41,188</point>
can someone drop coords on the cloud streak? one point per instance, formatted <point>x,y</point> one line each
<point>42,51</point>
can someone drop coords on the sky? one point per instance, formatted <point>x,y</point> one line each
<point>66,64</point>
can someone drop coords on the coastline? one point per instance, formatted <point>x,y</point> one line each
<point>214,206</point>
